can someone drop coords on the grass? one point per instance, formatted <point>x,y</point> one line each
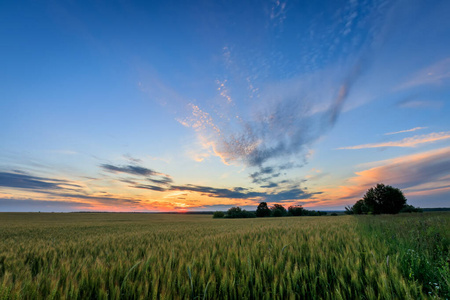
<point>142,256</point>
<point>421,245</point>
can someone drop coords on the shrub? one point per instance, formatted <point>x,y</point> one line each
<point>234,212</point>
<point>237,212</point>
<point>218,214</point>
<point>410,209</point>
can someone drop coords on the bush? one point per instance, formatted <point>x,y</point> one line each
<point>410,209</point>
<point>218,214</point>
<point>237,212</point>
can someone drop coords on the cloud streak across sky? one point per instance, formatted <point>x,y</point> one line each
<point>428,172</point>
<point>404,143</point>
<point>274,192</point>
<point>407,130</point>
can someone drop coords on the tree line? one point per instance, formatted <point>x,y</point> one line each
<point>263,210</point>
<point>380,199</point>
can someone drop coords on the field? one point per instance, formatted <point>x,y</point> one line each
<point>142,256</point>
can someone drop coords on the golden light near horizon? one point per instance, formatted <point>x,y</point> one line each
<point>192,106</point>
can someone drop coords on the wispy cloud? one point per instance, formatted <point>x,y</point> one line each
<point>24,181</point>
<point>132,159</point>
<point>281,194</point>
<point>407,130</point>
<point>56,189</point>
<point>288,115</point>
<point>149,174</point>
<point>27,205</point>
<point>273,191</point>
<point>425,173</point>
<point>129,169</point>
<point>404,143</point>
<point>294,193</point>
<point>277,12</point>
<point>437,73</point>
<point>278,128</point>
<point>414,103</point>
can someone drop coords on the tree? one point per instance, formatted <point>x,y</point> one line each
<point>278,210</point>
<point>360,208</point>
<point>410,209</point>
<point>349,210</point>
<point>296,210</point>
<point>383,199</point>
<point>234,212</point>
<point>263,210</point>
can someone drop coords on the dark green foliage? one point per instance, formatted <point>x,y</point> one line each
<point>360,207</point>
<point>381,199</point>
<point>334,214</point>
<point>384,199</point>
<point>296,210</point>
<point>237,212</point>
<point>410,209</point>
<point>314,213</point>
<point>263,210</point>
<point>218,214</point>
<point>234,212</point>
<point>278,210</point>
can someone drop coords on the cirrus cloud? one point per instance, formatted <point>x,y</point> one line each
<point>423,173</point>
<point>404,143</point>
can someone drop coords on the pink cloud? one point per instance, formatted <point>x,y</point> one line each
<point>419,174</point>
<point>404,143</point>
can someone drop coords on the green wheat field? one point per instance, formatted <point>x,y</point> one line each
<point>156,256</point>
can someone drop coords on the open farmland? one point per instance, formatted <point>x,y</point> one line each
<point>141,256</point>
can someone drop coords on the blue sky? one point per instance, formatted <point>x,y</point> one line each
<point>204,105</point>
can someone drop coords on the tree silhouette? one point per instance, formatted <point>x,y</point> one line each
<point>381,199</point>
<point>296,210</point>
<point>278,210</point>
<point>263,210</point>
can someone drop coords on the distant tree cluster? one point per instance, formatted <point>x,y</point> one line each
<point>381,199</point>
<point>263,210</point>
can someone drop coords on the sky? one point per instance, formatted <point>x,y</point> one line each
<point>205,105</point>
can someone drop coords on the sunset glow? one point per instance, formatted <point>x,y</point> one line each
<point>189,106</point>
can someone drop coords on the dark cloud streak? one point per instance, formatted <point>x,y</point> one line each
<point>129,169</point>
<point>24,181</point>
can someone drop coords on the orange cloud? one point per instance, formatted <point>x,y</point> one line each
<point>421,174</point>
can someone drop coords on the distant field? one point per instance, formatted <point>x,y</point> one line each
<point>112,256</point>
